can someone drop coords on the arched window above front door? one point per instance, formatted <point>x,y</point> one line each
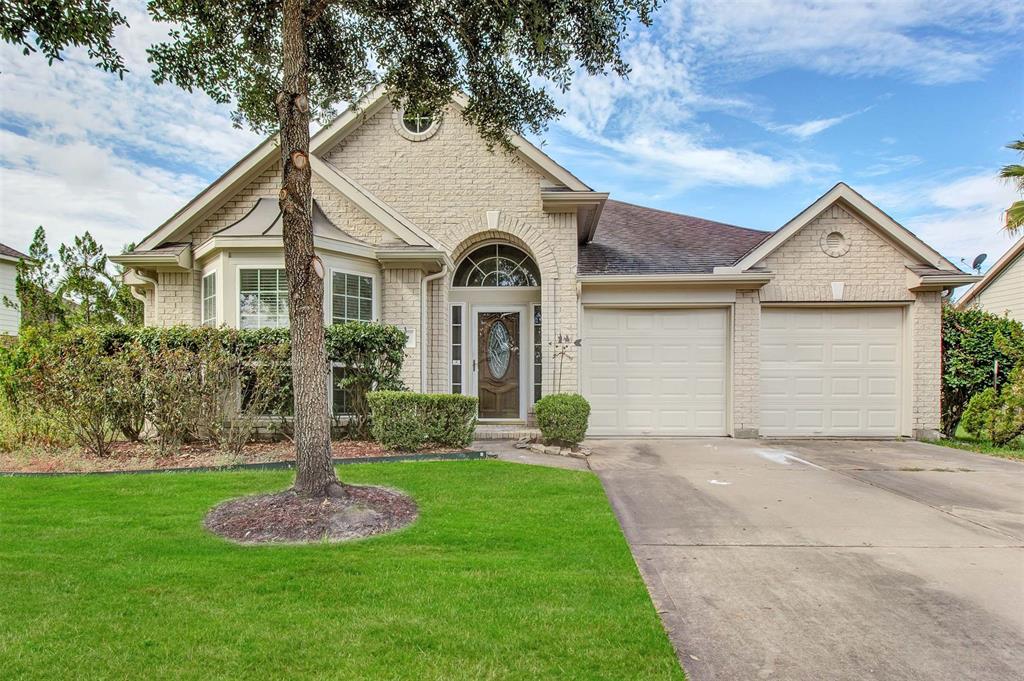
<point>497,265</point>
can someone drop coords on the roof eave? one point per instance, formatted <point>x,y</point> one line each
<point>179,259</point>
<point>945,281</point>
<point>757,279</point>
<point>588,206</point>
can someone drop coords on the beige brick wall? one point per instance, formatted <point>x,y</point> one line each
<point>446,185</point>
<point>177,296</point>
<point>746,367</point>
<point>401,306</point>
<point>872,270</point>
<point>926,329</point>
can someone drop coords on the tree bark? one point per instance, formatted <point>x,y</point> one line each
<point>314,473</point>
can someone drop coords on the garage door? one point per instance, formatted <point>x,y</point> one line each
<point>830,371</point>
<point>655,372</point>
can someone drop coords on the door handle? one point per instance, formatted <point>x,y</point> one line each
<point>474,366</point>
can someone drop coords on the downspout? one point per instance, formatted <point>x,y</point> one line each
<point>423,323</point>
<point>149,280</point>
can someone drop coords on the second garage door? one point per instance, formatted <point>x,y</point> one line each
<point>655,372</point>
<point>827,371</point>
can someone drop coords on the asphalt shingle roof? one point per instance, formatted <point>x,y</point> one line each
<point>636,240</point>
<point>11,253</point>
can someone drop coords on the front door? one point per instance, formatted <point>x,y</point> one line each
<point>497,360</point>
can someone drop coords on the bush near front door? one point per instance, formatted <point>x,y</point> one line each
<point>562,418</point>
<point>410,421</point>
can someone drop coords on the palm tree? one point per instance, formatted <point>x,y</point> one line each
<point>1015,173</point>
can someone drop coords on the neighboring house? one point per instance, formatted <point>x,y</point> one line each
<point>10,317</point>
<point>1001,290</point>
<point>828,326</point>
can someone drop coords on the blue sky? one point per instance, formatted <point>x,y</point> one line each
<point>742,112</point>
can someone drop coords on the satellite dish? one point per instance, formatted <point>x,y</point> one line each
<point>978,260</point>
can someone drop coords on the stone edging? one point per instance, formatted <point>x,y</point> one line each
<point>269,465</point>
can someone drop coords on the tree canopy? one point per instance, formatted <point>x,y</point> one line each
<point>1014,172</point>
<point>499,54</point>
<point>52,26</point>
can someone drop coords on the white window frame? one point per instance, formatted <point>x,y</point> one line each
<point>534,342</point>
<point>238,291</point>
<point>203,297</point>
<point>374,285</point>
<point>462,343</point>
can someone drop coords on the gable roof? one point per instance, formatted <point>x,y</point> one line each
<point>842,192</point>
<point>8,253</point>
<point>633,239</point>
<point>1014,254</point>
<point>266,154</point>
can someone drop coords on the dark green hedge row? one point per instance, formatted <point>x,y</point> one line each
<point>411,421</point>
<point>349,343</point>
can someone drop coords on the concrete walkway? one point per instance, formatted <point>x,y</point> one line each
<point>825,559</point>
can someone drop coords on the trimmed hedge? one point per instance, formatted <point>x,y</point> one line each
<point>410,421</point>
<point>562,418</point>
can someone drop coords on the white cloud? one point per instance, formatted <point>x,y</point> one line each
<point>960,216</point>
<point>811,128</point>
<point>925,41</point>
<point>85,150</point>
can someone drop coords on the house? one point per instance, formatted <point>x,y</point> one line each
<point>10,317</point>
<point>1001,290</point>
<point>495,263</point>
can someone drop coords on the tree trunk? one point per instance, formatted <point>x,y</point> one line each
<point>314,473</point>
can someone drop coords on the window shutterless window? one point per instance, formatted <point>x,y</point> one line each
<point>538,354</point>
<point>209,309</point>
<point>457,380</point>
<point>262,298</point>
<point>351,297</point>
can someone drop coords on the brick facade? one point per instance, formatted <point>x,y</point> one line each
<point>462,195</point>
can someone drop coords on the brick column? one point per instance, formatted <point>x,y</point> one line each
<point>746,371</point>
<point>926,336</point>
<point>401,307</point>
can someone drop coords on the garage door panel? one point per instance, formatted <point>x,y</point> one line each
<point>667,369</point>
<point>828,371</point>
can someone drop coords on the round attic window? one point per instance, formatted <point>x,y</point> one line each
<point>415,125</point>
<point>834,244</point>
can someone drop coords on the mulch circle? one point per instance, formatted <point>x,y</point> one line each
<point>285,517</point>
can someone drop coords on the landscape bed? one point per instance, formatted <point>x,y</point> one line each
<point>127,457</point>
<point>510,571</point>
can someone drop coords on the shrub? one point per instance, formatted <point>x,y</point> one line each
<point>410,421</point>
<point>562,418</point>
<point>231,416</point>
<point>23,421</point>
<point>998,415</point>
<point>181,382</point>
<point>972,342</point>
<point>76,384</point>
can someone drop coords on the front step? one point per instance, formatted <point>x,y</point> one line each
<point>510,432</point>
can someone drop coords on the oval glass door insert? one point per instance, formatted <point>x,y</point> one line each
<point>499,350</point>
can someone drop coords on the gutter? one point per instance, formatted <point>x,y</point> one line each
<point>423,323</point>
<point>148,280</point>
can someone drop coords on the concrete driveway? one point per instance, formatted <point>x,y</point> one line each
<point>826,559</point>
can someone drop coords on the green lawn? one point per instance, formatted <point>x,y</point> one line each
<point>511,572</point>
<point>964,440</point>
